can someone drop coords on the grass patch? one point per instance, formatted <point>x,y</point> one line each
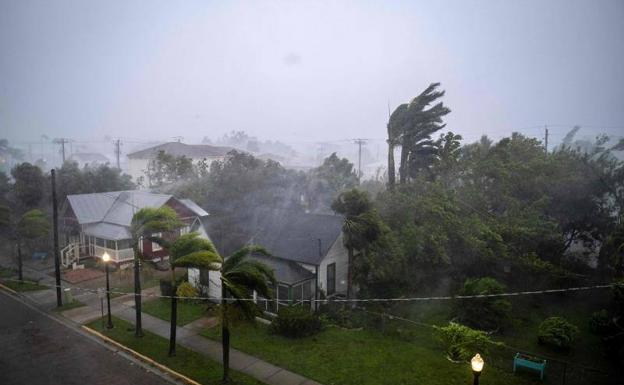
<point>6,272</point>
<point>23,286</point>
<point>366,357</point>
<point>67,306</point>
<point>187,311</point>
<point>186,361</point>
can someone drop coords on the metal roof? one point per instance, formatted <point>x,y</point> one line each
<point>288,272</point>
<point>107,231</point>
<point>193,207</point>
<point>109,214</point>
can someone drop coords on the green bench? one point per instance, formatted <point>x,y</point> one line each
<point>529,362</point>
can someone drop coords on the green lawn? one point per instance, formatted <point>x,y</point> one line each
<point>187,362</point>
<point>67,306</point>
<point>359,357</point>
<point>187,311</point>
<point>23,286</point>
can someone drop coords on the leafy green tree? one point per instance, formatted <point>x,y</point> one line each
<point>239,277</point>
<point>167,168</point>
<point>31,226</point>
<point>146,223</point>
<point>28,187</point>
<point>460,342</point>
<point>361,226</point>
<point>484,313</point>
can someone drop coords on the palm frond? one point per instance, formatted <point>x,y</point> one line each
<point>202,259</point>
<point>240,254</point>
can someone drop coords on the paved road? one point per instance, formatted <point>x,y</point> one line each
<point>35,349</point>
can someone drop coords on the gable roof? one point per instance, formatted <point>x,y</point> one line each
<point>109,214</point>
<point>178,149</point>
<point>286,234</point>
<point>285,271</point>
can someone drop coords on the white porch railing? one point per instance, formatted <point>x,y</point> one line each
<point>122,255</point>
<point>70,254</point>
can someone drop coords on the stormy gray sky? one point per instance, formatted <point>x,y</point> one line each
<point>305,71</point>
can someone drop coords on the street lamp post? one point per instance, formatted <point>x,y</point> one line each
<point>106,259</point>
<point>477,366</point>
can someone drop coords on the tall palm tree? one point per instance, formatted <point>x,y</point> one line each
<point>239,277</point>
<point>411,126</point>
<point>147,222</point>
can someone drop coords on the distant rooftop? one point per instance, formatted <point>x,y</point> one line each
<point>194,151</point>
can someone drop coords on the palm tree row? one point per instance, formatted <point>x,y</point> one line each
<point>240,275</point>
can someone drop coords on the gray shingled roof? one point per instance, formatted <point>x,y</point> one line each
<point>194,151</point>
<point>286,234</point>
<point>285,271</point>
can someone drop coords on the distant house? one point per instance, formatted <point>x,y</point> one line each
<point>89,158</point>
<point>307,253</point>
<point>93,224</point>
<point>138,161</point>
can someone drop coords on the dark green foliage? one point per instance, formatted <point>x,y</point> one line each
<point>483,313</point>
<point>90,179</point>
<point>296,322</point>
<point>461,342</point>
<point>557,333</point>
<point>166,169</point>
<point>600,323</point>
<point>29,185</point>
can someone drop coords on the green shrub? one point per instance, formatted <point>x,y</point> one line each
<point>600,322</point>
<point>296,322</point>
<point>557,332</point>
<point>461,342</point>
<point>186,290</point>
<point>485,313</point>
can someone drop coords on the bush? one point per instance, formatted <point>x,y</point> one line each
<point>296,322</point>
<point>600,322</point>
<point>186,290</point>
<point>461,342</point>
<point>486,313</point>
<point>557,332</point>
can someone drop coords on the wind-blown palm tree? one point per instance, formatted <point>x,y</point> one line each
<point>239,277</point>
<point>411,126</point>
<point>145,223</point>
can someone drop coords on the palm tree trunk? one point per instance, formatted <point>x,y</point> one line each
<point>174,314</point>
<point>391,170</point>
<point>225,334</point>
<point>349,271</point>
<point>138,330</point>
<point>403,167</point>
<point>20,274</point>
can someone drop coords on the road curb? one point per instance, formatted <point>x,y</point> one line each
<point>142,357</point>
<point>7,289</point>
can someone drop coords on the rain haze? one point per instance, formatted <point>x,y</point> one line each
<point>312,192</point>
<point>305,71</point>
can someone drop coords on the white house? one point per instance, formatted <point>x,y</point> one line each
<point>138,161</point>
<point>307,253</point>
<point>93,224</point>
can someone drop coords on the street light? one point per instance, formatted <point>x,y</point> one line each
<point>106,259</point>
<point>477,366</point>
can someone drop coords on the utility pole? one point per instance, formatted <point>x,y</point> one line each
<point>57,263</point>
<point>62,142</point>
<point>118,152</point>
<point>359,142</point>
<point>546,139</point>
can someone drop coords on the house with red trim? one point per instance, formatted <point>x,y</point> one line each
<point>92,224</point>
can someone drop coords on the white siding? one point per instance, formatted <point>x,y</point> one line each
<point>337,254</point>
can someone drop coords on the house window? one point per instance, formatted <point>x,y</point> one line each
<point>204,277</point>
<point>123,244</point>
<point>156,246</point>
<point>100,242</point>
<point>331,278</point>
